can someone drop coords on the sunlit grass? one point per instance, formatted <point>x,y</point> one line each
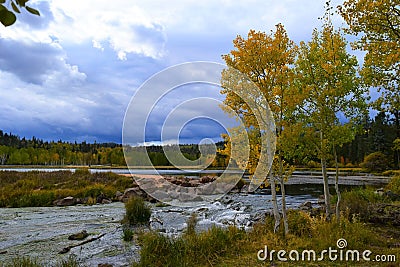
<point>233,247</point>
<point>24,189</point>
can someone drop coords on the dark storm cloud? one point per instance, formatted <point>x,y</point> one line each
<point>31,62</point>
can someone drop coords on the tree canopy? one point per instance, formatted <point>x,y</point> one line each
<point>377,26</point>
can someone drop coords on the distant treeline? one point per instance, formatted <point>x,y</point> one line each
<point>174,155</point>
<point>21,151</point>
<point>377,134</point>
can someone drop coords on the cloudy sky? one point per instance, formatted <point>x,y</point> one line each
<point>71,73</point>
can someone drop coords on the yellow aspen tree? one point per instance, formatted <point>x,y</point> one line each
<point>266,59</point>
<point>327,74</point>
<point>377,27</point>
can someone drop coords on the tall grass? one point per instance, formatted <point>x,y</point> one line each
<point>200,249</point>
<point>71,261</point>
<point>22,189</point>
<point>234,247</point>
<point>394,184</point>
<point>137,212</point>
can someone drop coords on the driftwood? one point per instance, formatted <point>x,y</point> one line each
<point>67,249</point>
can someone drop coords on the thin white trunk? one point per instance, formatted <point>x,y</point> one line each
<point>284,217</point>
<point>337,186</point>
<point>325,180</point>
<point>275,209</point>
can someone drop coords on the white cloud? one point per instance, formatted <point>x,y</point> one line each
<point>143,27</point>
<point>73,69</point>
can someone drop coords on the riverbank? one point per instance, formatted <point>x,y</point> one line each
<point>38,189</point>
<point>26,187</point>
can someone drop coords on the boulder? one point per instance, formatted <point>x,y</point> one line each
<point>185,197</point>
<point>118,195</point>
<point>194,183</point>
<point>392,195</point>
<point>306,206</point>
<point>207,179</point>
<point>67,201</point>
<point>79,236</point>
<point>245,189</point>
<point>379,191</point>
<point>100,198</point>
<point>226,200</point>
<point>132,192</point>
<point>162,196</point>
<point>208,189</point>
<point>105,201</point>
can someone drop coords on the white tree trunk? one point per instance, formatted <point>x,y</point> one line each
<point>275,209</point>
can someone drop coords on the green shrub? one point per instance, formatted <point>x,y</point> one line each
<point>127,234</point>
<point>24,262</point>
<point>313,164</point>
<point>391,173</point>
<point>94,190</point>
<point>197,249</point>
<point>71,261</point>
<point>82,172</point>
<point>137,212</point>
<point>123,182</point>
<point>191,224</point>
<point>158,250</point>
<point>300,223</point>
<point>357,202</point>
<point>375,162</point>
<point>394,185</point>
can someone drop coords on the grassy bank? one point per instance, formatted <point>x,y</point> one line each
<point>233,247</point>
<point>36,188</point>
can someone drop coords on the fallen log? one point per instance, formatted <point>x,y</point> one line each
<point>67,249</point>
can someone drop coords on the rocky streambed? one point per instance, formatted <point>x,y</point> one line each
<point>43,232</point>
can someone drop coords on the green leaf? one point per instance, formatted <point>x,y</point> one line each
<point>21,2</point>
<point>14,7</point>
<point>2,1</point>
<point>7,18</point>
<point>32,11</point>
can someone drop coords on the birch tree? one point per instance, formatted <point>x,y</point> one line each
<point>266,59</point>
<point>327,74</point>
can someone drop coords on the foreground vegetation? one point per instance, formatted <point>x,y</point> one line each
<point>28,262</point>
<point>36,188</point>
<point>236,247</point>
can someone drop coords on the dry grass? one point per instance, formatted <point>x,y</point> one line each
<point>23,189</point>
